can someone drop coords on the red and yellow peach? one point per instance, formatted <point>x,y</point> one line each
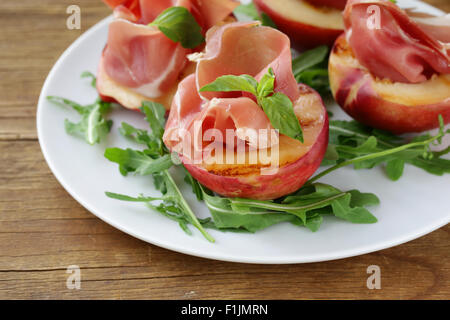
<point>297,161</point>
<point>383,104</point>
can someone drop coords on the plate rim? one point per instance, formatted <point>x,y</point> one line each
<point>288,259</point>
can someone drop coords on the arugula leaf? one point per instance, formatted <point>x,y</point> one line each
<point>155,160</point>
<point>179,25</point>
<point>246,12</point>
<point>276,105</point>
<point>394,168</point>
<point>311,68</point>
<point>92,126</point>
<point>88,74</point>
<point>365,147</point>
<point>137,161</point>
<point>154,113</point>
<point>303,208</point>
<point>309,59</point>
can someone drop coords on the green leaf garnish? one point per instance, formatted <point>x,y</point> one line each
<point>137,161</point>
<point>155,160</point>
<point>311,68</point>
<point>179,25</point>
<point>278,108</point>
<point>93,126</point>
<point>248,12</point>
<point>88,74</point>
<point>365,148</point>
<point>276,105</point>
<point>231,83</point>
<point>303,208</point>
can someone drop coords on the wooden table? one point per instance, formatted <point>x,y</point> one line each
<point>43,230</point>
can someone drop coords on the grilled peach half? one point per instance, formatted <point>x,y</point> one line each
<point>383,104</point>
<point>296,161</point>
<point>307,25</point>
<point>110,90</point>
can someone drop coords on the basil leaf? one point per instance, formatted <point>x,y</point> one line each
<point>231,83</point>
<point>179,25</point>
<point>266,84</point>
<point>280,111</point>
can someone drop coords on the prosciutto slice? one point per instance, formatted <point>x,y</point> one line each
<point>398,48</point>
<point>236,48</point>
<point>207,12</point>
<point>246,48</point>
<point>141,57</point>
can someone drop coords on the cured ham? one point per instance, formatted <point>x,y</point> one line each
<point>391,68</point>
<point>140,58</point>
<point>208,13</point>
<point>401,49</point>
<point>236,48</point>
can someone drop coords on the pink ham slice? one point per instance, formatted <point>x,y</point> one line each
<point>142,58</point>
<point>207,12</point>
<point>236,48</point>
<point>192,116</point>
<point>246,48</point>
<point>400,50</point>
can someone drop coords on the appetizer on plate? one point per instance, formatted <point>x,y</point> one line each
<point>148,42</point>
<point>309,23</point>
<point>264,53</point>
<point>391,70</point>
<point>248,130</point>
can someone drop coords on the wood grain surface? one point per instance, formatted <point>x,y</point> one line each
<point>43,230</point>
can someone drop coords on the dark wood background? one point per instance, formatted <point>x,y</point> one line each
<point>43,230</point>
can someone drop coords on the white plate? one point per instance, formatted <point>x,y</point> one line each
<point>411,207</point>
